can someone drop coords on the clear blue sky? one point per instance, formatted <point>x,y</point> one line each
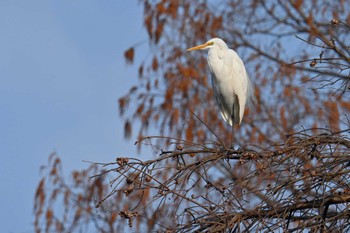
<point>62,71</point>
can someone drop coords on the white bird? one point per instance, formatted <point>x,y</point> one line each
<point>230,81</point>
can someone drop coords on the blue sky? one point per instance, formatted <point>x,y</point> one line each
<point>62,71</point>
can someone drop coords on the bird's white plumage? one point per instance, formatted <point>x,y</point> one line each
<point>229,79</point>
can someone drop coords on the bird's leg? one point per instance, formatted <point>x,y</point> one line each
<point>234,117</point>
<point>233,136</point>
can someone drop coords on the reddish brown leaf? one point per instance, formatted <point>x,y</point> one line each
<point>217,23</point>
<point>283,117</point>
<point>40,197</point>
<point>49,214</point>
<point>40,188</point>
<point>189,131</point>
<point>140,71</point>
<point>287,92</point>
<point>80,198</point>
<point>122,105</point>
<point>176,116</point>
<point>298,3</point>
<point>333,115</point>
<point>113,218</point>
<point>155,64</point>
<point>140,109</point>
<point>172,8</point>
<point>66,197</point>
<point>54,194</point>
<point>127,129</point>
<point>314,128</point>
<point>149,25</point>
<point>345,105</point>
<point>159,31</point>
<point>146,194</point>
<point>310,22</point>
<point>160,8</point>
<point>129,55</point>
<point>78,213</point>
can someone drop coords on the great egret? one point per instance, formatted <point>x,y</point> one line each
<point>231,84</point>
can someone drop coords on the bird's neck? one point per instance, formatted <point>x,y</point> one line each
<point>214,58</point>
<point>215,53</point>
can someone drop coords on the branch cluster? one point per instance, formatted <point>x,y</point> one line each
<point>302,183</point>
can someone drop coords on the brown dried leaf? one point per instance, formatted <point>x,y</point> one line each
<point>287,92</point>
<point>49,215</point>
<point>140,109</point>
<point>145,195</point>
<point>159,31</point>
<point>217,23</point>
<point>154,64</point>
<point>333,115</point>
<point>78,213</point>
<point>80,198</point>
<point>99,185</point>
<point>283,117</point>
<point>129,55</point>
<point>314,128</point>
<point>122,105</point>
<point>298,3</point>
<point>310,22</point>
<point>345,105</point>
<point>176,116</point>
<point>172,8</point>
<point>149,25</point>
<point>113,218</point>
<point>160,8</point>
<point>54,194</point>
<point>66,197</point>
<point>140,71</point>
<point>40,196</point>
<point>127,130</point>
<point>189,131</point>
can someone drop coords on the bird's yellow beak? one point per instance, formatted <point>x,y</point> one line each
<point>202,46</point>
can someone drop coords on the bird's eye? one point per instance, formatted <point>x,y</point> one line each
<point>210,43</point>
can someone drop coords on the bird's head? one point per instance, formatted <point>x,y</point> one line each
<point>214,42</point>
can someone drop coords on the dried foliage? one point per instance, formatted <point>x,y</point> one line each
<point>292,50</point>
<point>292,169</point>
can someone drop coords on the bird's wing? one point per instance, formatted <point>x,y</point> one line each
<point>223,103</point>
<point>238,79</point>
